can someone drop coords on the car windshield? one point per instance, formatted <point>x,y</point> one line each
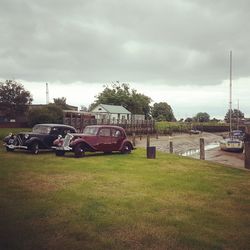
<point>39,129</point>
<point>90,131</point>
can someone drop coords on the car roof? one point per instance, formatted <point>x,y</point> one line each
<point>54,125</point>
<point>105,126</point>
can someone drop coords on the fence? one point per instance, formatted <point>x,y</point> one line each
<point>80,120</point>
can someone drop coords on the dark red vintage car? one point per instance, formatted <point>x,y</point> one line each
<point>104,138</point>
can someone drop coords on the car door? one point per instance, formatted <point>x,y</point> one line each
<point>104,140</point>
<point>116,139</point>
<point>49,139</point>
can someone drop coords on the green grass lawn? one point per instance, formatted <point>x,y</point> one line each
<point>121,202</point>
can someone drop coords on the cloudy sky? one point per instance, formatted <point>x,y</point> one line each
<point>175,51</point>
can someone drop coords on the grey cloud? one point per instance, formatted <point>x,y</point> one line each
<point>176,42</point>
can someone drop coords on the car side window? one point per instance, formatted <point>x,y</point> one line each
<point>65,131</point>
<point>116,133</point>
<point>104,132</point>
<point>54,131</point>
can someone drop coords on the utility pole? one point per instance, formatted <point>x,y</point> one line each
<point>230,95</point>
<point>47,93</point>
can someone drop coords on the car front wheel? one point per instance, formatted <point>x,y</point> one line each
<point>34,148</point>
<point>79,151</point>
<point>9,149</point>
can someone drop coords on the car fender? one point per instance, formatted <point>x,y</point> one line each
<point>32,140</point>
<point>80,140</point>
<point>124,142</point>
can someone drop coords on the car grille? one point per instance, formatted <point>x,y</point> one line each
<point>67,139</point>
<point>18,140</point>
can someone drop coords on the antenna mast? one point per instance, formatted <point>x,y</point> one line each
<point>47,93</point>
<point>230,94</point>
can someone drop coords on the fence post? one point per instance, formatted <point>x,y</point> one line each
<point>133,138</point>
<point>148,140</point>
<point>156,135</point>
<point>171,147</point>
<point>202,149</point>
<point>247,147</point>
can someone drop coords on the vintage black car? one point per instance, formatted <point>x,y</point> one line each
<point>41,137</point>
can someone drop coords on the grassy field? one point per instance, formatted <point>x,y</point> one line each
<point>121,202</point>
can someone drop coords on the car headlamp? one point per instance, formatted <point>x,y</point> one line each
<point>26,136</point>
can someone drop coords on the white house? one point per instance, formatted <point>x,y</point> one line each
<point>111,112</point>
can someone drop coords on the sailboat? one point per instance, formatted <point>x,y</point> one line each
<point>233,143</point>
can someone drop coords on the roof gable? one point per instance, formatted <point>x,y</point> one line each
<point>114,109</point>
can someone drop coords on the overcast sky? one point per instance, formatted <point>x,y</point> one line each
<point>175,51</point>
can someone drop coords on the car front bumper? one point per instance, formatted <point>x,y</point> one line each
<point>66,149</point>
<point>11,146</point>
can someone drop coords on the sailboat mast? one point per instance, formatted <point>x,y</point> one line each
<point>238,115</point>
<point>230,94</point>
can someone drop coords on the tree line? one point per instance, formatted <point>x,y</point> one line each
<point>15,100</point>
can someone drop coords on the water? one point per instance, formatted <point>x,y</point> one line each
<point>191,152</point>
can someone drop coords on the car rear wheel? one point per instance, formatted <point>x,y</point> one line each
<point>79,151</point>
<point>60,153</point>
<point>34,148</point>
<point>126,149</point>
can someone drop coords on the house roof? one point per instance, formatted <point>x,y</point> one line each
<point>114,109</point>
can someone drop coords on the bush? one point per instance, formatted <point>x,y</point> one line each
<point>51,113</point>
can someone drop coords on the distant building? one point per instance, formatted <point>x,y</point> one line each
<point>111,112</point>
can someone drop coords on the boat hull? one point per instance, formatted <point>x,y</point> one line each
<point>229,145</point>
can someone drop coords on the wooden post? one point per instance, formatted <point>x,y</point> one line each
<point>202,149</point>
<point>247,147</point>
<point>171,147</point>
<point>148,140</point>
<point>133,138</point>
<point>156,135</point>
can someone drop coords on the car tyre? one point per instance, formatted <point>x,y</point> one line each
<point>34,148</point>
<point>60,153</point>
<point>126,149</point>
<point>9,149</point>
<point>79,150</point>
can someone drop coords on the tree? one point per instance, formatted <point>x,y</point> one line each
<point>162,111</point>
<point>83,108</point>
<point>201,117</point>
<point>235,114</point>
<point>121,94</point>
<point>14,99</point>
<point>188,119</point>
<point>61,102</point>
<point>50,113</point>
